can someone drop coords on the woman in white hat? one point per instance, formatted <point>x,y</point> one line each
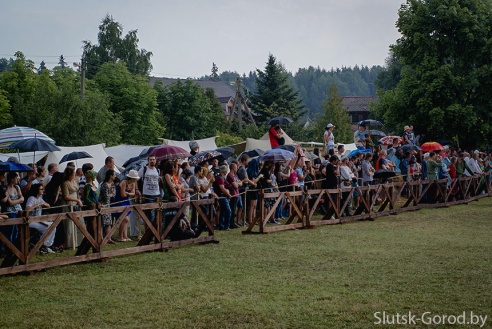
<point>329,138</point>
<point>126,191</point>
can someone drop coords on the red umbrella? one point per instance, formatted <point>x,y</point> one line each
<point>388,140</point>
<point>169,152</point>
<point>431,146</point>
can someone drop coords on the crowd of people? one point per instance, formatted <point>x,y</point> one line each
<point>234,185</point>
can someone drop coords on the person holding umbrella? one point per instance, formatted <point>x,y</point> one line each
<point>275,133</point>
<point>329,138</point>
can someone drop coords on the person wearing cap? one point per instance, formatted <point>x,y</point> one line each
<point>329,138</point>
<point>125,191</point>
<point>222,189</point>
<point>194,148</point>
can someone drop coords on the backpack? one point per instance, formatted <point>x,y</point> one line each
<point>141,180</point>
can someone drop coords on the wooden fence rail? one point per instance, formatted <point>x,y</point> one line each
<point>307,209</point>
<point>19,255</point>
<point>325,207</point>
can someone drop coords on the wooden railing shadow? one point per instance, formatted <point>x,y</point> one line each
<point>20,255</point>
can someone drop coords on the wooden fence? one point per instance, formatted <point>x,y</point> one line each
<point>324,207</point>
<point>307,209</point>
<point>20,255</point>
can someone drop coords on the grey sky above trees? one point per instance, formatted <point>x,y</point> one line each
<point>187,36</point>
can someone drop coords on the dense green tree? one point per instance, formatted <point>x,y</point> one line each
<point>334,112</point>
<point>274,95</point>
<point>20,84</point>
<point>445,85</point>
<point>5,116</point>
<point>189,111</point>
<point>113,47</point>
<point>134,100</point>
<point>6,64</point>
<point>73,121</point>
<point>42,67</point>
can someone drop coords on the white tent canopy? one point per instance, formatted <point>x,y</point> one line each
<point>205,144</point>
<point>123,152</point>
<point>97,151</point>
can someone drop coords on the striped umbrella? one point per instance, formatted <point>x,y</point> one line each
<point>8,136</point>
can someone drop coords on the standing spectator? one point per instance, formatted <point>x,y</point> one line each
<point>107,192</point>
<point>235,202</point>
<point>346,178</point>
<point>124,192</point>
<point>275,133</point>
<point>265,183</point>
<point>360,137</point>
<point>52,168</point>
<point>340,151</point>
<point>41,174</point>
<point>194,148</point>
<point>242,174</point>
<point>169,186</point>
<point>108,164</point>
<point>221,188</point>
<point>253,171</point>
<point>14,200</point>
<point>70,198</point>
<point>149,185</point>
<point>329,138</point>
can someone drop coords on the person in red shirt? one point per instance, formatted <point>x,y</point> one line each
<point>275,134</point>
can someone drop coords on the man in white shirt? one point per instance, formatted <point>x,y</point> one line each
<point>150,185</point>
<point>472,163</point>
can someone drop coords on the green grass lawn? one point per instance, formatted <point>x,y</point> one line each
<point>436,260</point>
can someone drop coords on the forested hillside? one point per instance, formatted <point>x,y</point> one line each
<point>313,83</point>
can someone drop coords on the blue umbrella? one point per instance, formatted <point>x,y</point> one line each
<point>130,161</point>
<point>72,156</point>
<point>252,153</point>
<point>34,144</point>
<point>288,147</point>
<point>14,166</point>
<point>357,151</point>
<point>277,155</point>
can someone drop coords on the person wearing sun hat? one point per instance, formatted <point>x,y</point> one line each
<point>125,191</point>
<point>329,138</point>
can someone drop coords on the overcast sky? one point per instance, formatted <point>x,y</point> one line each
<point>187,36</point>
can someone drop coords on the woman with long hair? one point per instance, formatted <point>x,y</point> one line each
<point>14,204</point>
<point>168,170</point>
<point>107,192</point>
<point>71,202</point>
<point>34,207</point>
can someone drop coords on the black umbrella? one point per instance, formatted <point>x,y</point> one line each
<point>131,160</point>
<point>72,156</point>
<point>34,144</point>
<point>252,153</point>
<point>136,165</point>
<point>279,121</point>
<point>377,133</point>
<point>288,147</point>
<point>226,151</point>
<point>370,122</point>
<point>14,166</point>
<point>410,147</point>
